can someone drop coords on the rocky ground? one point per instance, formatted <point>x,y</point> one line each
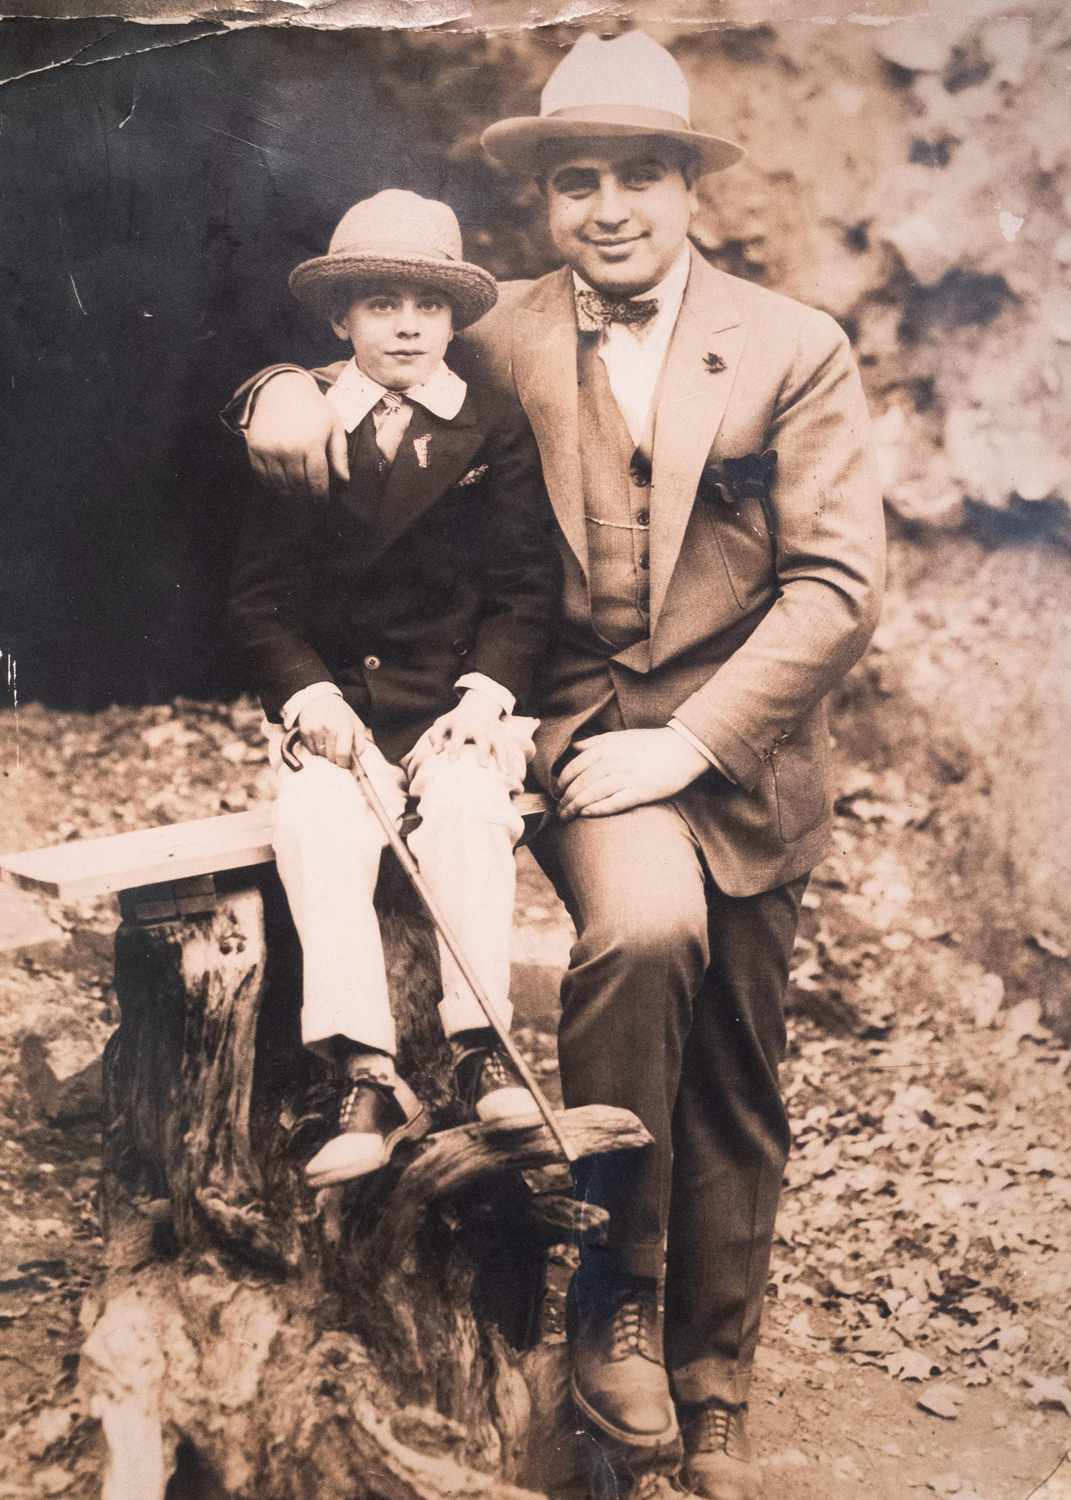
<point>916,1334</point>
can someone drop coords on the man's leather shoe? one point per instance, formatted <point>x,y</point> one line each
<point>717,1453</point>
<point>619,1380</point>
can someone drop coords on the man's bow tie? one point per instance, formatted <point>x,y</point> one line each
<point>594,312</point>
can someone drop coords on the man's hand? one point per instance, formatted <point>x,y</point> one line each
<point>329,727</point>
<point>295,438</point>
<point>627,768</point>
<point>477,720</point>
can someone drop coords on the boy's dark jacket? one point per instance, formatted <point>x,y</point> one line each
<point>402,582</point>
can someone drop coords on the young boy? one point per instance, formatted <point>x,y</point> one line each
<point>400,622</point>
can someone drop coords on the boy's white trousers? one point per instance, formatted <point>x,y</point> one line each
<point>327,849</point>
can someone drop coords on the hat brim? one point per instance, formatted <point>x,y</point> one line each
<point>472,290</point>
<point>522,143</point>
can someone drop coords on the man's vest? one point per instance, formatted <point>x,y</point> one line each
<point>617,500</point>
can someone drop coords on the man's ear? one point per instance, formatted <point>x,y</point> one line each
<point>690,172</point>
<point>338,325</point>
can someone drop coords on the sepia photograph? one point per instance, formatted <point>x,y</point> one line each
<point>535,676</point>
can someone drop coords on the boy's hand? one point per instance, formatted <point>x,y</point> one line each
<point>478,721</point>
<point>329,727</point>
<point>295,438</point>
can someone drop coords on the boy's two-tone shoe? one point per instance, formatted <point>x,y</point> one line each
<point>377,1111</point>
<point>489,1085</point>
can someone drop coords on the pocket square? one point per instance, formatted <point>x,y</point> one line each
<point>473,476</point>
<point>732,480</point>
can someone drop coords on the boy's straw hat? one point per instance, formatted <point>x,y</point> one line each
<point>624,87</point>
<point>397,235</point>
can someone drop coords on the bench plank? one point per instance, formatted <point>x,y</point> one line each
<point>151,856</point>
<point>148,856</point>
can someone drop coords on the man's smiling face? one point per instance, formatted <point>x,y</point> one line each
<point>619,212</point>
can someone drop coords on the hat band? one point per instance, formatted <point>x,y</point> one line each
<point>622,114</point>
<point>394,249</point>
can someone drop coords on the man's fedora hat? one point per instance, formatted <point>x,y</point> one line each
<point>627,86</point>
<point>397,236</point>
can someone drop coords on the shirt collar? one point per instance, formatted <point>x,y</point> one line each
<point>354,394</point>
<point>669,291</point>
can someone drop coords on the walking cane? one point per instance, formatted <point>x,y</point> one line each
<point>431,906</point>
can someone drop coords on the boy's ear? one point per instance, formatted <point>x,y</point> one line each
<point>338,325</point>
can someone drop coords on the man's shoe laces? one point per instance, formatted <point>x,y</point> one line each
<point>633,1327</point>
<point>713,1428</point>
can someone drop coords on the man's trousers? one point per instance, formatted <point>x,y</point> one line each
<point>672,1008</point>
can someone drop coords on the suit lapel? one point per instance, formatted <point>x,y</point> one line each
<point>412,486</point>
<point>544,371</point>
<point>697,380</point>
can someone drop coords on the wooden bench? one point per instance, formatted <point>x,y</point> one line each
<point>402,1311</point>
<point>166,872</point>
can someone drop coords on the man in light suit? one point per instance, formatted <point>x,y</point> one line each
<point>705,447</point>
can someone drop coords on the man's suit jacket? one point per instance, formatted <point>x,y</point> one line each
<point>400,583</point>
<point>763,594</point>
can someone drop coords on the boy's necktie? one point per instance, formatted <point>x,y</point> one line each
<point>391,415</point>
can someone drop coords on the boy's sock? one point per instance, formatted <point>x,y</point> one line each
<point>352,1057</point>
<point>475,1039</point>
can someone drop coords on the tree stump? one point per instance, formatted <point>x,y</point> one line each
<point>375,1341</point>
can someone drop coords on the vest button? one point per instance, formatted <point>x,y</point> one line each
<point>643,518</point>
<point>461,646</point>
<point>372,663</point>
<point>645,562</point>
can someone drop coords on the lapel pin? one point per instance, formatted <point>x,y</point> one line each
<point>714,364</point>
<point>421,446</point>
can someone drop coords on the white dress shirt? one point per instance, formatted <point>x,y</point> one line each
<point>634,356</point>
<point>353,395</point>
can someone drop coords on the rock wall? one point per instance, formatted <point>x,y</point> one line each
<point>915,180</point>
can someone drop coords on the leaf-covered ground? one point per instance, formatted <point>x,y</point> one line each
<point>916,1333</point>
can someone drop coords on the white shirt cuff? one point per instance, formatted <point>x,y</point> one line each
<point>697,744</point>
<point>291,709</point>
<point>481,684</point>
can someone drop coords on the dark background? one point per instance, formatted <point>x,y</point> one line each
<point>153,207</point>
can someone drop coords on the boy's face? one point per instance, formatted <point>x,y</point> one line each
<point>399,330</point>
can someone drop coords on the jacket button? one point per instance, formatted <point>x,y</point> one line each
<point>372,663</point>
<point>643,518</point>
<point>461,647</point>
<point>645,562</point>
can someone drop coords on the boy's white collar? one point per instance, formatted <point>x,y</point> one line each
<point>354,394</point>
